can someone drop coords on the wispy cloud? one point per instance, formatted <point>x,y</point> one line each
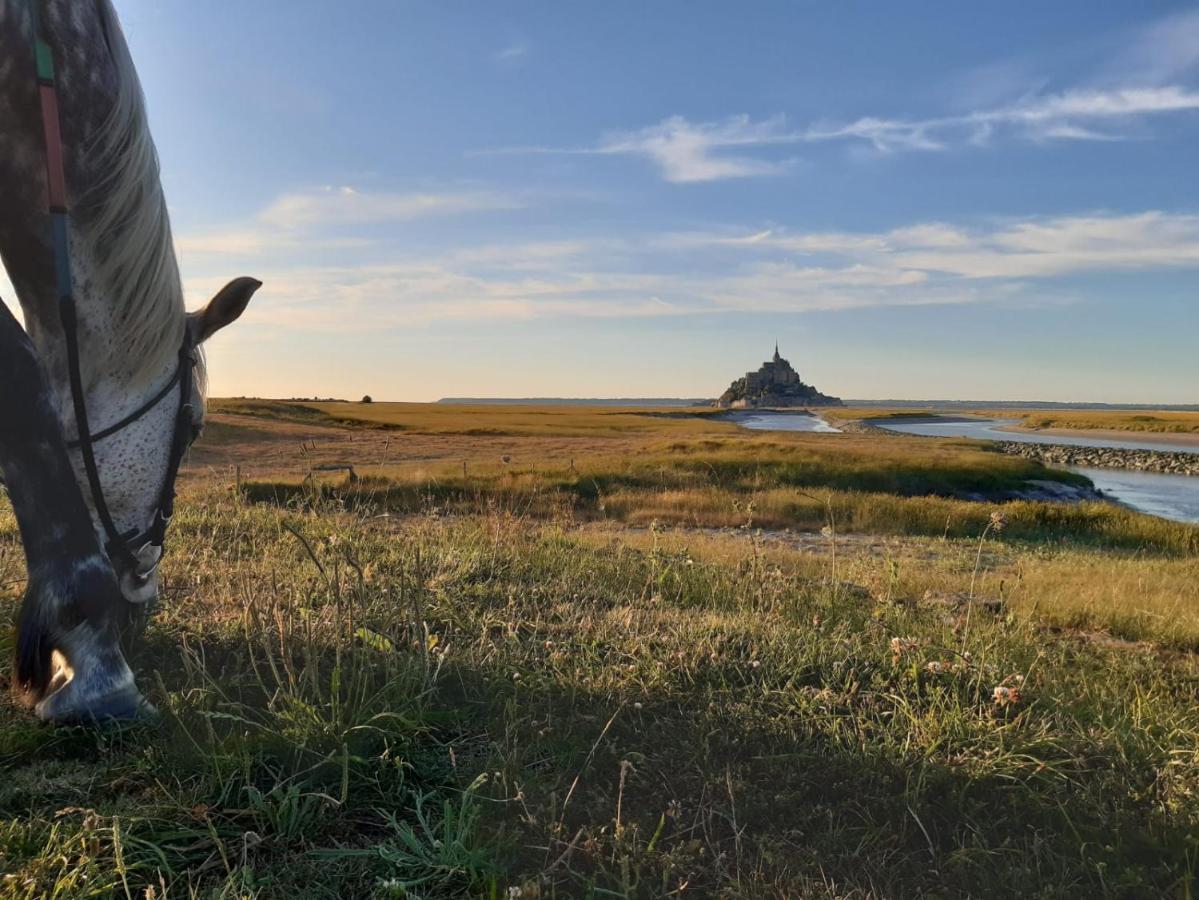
<point>1034,248</point>
<point>514,51</point>
<point>301,219</point>
<point>1072,115</point>
<point>1166,51</point>
<point>346,206</point>
<point>773,270</point>
<point>1148,75</point>
<point>688,152</point>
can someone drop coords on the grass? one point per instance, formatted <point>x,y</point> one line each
<point>871,485</point>
<point>1161,422</point>
<point>462,694</point>
<point>444,418</point>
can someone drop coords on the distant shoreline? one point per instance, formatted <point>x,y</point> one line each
<point>993,405</point>
<point>671,402</point>
<point>924,420</point>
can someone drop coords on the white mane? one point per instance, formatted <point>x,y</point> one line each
<point>126,223</point>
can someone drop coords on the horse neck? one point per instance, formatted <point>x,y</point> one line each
<point>126,284</point>
<point>120,359</point>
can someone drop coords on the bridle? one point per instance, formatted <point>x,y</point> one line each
<point>123,548</point>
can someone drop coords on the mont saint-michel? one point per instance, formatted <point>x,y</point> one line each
<point>775,384</point>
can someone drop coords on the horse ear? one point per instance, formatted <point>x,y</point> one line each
<point>229,303</point>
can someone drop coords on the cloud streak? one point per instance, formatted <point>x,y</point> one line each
<point>511,53</point>
<point>346,206</point>
<point>301,220</point>
<point>1036,248</point>
<point>1073,115</point>
<point>688,152</point>
<point>723,272</point>
<point>1147,76</point>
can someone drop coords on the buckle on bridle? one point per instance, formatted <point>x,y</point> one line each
<point>144,575</point>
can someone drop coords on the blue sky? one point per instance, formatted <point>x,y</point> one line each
<point>949,200</point>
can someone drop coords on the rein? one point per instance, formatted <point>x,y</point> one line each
<point>122,547</point>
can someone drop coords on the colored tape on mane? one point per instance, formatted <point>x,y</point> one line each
<point>45,61</point>
<point>54,162</point>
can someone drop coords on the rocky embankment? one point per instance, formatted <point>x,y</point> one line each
<point>1043,490</point>
<point>857,426</point>
<point>1170,462</point>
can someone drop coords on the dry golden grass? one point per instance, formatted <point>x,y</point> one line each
<point>895,488</point>
<point>604,421</point>
<point>1088,592</point>
<point>532,437</point>
<point>1117,420</point>
<point>487,419</point>
<point>538,678</point>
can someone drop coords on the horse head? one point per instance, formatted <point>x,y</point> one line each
<point>106,381</point>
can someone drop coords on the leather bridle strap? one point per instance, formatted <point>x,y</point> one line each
<point>56,184</point>
<point>118,545</point>
<point>133,416</point>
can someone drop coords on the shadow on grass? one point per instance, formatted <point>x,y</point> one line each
<point>308,770</point>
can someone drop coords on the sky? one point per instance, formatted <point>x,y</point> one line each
<point>916,200</point>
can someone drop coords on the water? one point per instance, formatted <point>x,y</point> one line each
<point>777,421</point>
<point>1169,496</point>
<point>992,430</point>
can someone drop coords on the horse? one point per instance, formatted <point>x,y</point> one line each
<point>102,390</point>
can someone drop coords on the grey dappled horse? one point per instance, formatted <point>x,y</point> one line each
<point>127,362</point>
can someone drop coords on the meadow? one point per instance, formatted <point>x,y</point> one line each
<point>417,651</point>
<point>1132,420</point>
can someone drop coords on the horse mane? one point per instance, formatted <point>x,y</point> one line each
<point>125,219</point>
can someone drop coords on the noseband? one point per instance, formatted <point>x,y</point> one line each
<point>123,548</point>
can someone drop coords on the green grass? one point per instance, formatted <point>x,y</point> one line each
<point>438,707</point>
<point>895,486</point>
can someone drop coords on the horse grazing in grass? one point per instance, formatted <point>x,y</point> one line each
<point>101,392</point>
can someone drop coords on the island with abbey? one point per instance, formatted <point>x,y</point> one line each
<point>775,384</point>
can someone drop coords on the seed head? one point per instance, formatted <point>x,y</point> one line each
<point>901,646</point>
